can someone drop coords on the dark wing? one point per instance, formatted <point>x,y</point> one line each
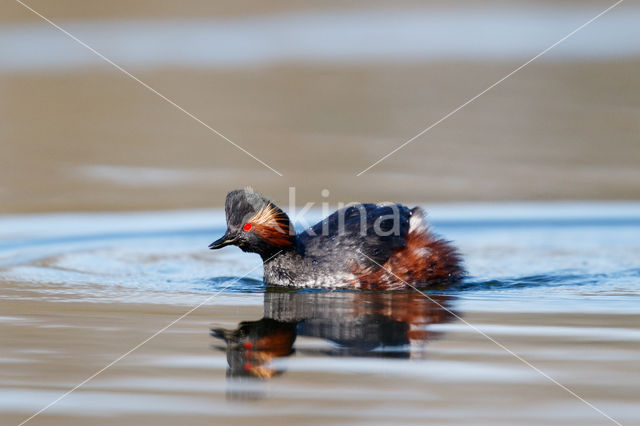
<point>366,233</point>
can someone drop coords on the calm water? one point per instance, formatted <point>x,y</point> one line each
<point>335,37</point>
<point>558,284</point>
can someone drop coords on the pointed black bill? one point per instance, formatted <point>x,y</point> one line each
<point>221,242</point>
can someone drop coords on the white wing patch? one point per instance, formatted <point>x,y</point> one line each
<point>417,223</point>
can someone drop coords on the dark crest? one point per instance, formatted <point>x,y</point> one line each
<point>255,224</point>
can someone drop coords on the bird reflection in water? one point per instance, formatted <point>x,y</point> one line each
<point>354,324</point>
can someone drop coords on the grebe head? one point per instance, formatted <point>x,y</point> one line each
<point>255,224</point>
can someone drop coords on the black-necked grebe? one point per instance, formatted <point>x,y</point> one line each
<point>363,246</point>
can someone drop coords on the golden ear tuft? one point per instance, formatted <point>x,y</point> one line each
<point>266,214</point>
<point>273,225</point>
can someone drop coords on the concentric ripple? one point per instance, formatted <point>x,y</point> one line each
<point>539,252</point>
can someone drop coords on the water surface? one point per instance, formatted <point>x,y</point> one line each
<point>556,283</point>
<point>339,37</point>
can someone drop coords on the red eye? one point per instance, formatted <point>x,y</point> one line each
<point>247,227</point>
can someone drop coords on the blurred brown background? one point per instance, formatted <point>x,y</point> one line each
<point>86,137</point>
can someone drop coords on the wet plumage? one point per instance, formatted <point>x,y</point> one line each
<point>364,246</point>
